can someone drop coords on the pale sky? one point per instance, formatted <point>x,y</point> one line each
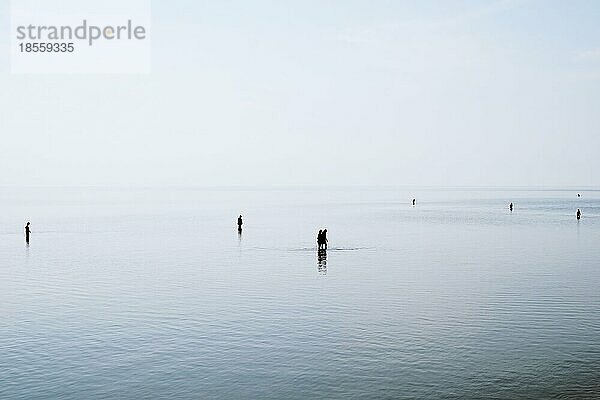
<point>347,92</point>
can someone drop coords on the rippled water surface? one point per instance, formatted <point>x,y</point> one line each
<point>151,293</point>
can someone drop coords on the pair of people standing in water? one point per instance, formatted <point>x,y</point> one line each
<point>578,211</point>
<point>322,239</point>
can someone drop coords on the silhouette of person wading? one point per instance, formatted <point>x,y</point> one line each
<point>27,232</point>
<point>239,223</point>
<point>578,214</point>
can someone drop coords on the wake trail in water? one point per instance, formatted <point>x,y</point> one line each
<point>312,249</point>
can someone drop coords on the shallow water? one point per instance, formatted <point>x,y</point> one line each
<point>151,293</point>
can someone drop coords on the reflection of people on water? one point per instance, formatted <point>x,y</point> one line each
<point>27,232</point>
<point>322,261</point>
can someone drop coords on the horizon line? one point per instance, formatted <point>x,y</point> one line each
<point>313,186</point>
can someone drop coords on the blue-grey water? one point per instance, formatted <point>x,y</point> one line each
<point>151,293</point>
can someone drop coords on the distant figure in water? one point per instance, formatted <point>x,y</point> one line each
<point>511,207</point>
<point>578,214</point>
<point>578,195</point>
<point>240,222</point>
<point>414,201</point>
<point>27,232</point>
<point>325,239</point>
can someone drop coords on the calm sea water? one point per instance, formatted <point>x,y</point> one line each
<point>151,293</point>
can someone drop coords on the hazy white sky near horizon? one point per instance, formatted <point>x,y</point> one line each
<point>323,92</point>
